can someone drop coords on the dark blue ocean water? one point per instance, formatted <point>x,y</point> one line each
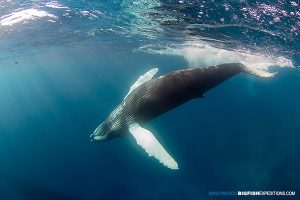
<point>65,65</point>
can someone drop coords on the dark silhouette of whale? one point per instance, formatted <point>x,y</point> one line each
<point>149,98</point>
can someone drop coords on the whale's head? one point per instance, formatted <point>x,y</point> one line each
<point>105,131</point>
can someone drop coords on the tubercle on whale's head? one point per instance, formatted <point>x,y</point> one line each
<point>105,131</point>
<point>101,133</point>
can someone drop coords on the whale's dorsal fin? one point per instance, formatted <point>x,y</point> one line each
<point>150,144</point>
<point>142,79</point>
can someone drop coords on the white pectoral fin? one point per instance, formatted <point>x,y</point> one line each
<point>150,144</point>
<point>142,79</point>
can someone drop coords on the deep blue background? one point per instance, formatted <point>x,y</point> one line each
<point>244,135</point>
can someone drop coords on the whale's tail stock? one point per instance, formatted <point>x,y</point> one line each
<point>257,71</point>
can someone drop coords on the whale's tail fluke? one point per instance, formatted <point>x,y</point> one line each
<point>257,71</point>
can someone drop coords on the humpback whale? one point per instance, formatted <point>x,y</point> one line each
<point>149,98</point>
